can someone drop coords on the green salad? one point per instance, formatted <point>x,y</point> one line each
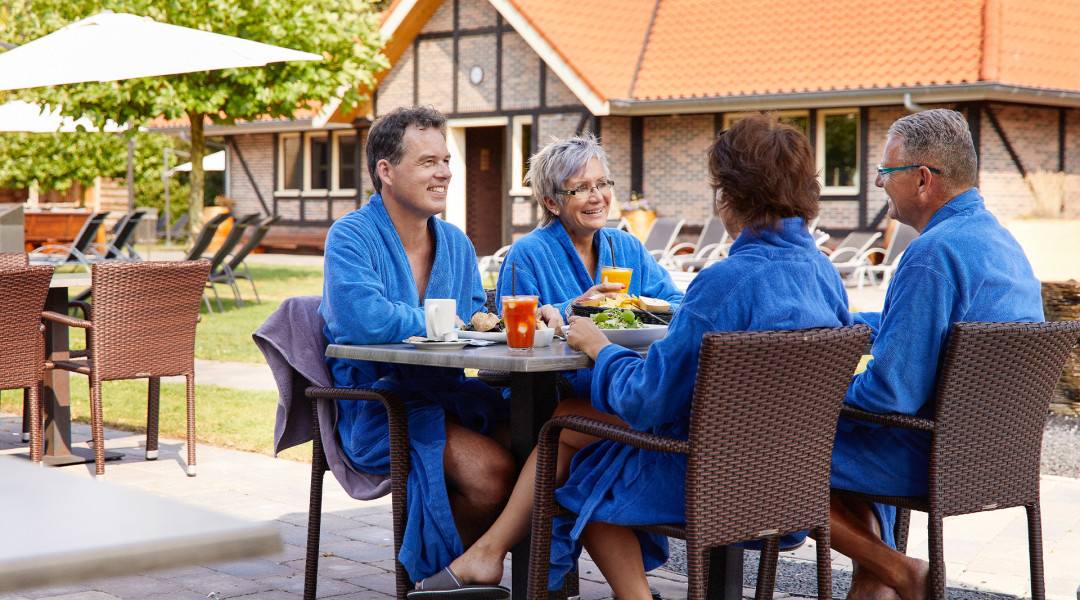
<point>617,318</point>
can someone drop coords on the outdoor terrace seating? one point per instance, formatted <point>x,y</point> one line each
<point>22,339</point>
<point>991,398</point>
<point>77,252</point>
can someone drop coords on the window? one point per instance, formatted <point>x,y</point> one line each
<point>836,146</point>
<point>317,163</point>
<point>522,150</point>
<point>838,151</point>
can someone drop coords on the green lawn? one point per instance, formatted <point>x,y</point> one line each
<point>225,417</point>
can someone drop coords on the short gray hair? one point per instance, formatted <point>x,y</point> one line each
<point>558,161</point>
<point>939,138</point>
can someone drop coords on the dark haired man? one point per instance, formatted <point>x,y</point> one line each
<point>381,262</point>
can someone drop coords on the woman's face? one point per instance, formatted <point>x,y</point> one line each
<point>583,213</point>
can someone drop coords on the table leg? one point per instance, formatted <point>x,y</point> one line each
<point>57,396</point>
<point>533,398</point>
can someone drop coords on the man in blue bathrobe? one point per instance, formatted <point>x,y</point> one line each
<point>964,266</point>
<point>381,262</point>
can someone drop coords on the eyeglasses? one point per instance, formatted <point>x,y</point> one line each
<point>882,171</point>
<point>603,187</point>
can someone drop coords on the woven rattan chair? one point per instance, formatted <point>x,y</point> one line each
<point>991,400</point>
<point>292,341</point>
<point>141,325</point>
<point>22,342</point>
<point>758,454</point>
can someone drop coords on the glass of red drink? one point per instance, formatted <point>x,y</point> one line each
<point>519,314</point>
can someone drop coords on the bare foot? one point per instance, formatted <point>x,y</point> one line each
<point>867,586</point>
<point>478,567</point>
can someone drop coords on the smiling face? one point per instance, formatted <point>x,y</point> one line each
<point>418,183</point>
<point>583,214</point>
<point>898,185</point>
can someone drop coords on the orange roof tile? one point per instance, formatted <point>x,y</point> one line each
<point>713,48</point>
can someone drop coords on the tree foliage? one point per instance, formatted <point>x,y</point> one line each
<point>344,32</point>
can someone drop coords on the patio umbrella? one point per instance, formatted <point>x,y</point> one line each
<point>33,118</point>
<point>110,46</point>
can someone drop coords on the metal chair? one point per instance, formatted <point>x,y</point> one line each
<point>217,261</point>
<point>236,265</point>
<point>120,246</point>
<point>78,251</point>
<point>22,341</point>
<point>141,325</point>
<point>292,341</point>
<point>661,236</point>
<point>991,399</point>
<point>890,256</point>
<point>851,252</point>
<point>743,482</point>
<point>711,246</point>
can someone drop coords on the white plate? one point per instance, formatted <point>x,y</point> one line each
<point>636,338</point>
<point>491,336</point>
<point>433,345</point>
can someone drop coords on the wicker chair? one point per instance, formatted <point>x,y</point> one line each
<point>291,339</point>
<point>743,480</point>
<point>141,325</point>
<point>22,358</point>
<point>991,400</point>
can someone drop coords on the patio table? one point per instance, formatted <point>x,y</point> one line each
<point>533,398</point>
<point>67,529</point>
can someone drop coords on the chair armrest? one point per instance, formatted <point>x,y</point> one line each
<point>56,317</point>
<point>890,420</point>
<point>682,246</point>
<point>83,306</point>
<point>395,407</point>
<point>617,433</point>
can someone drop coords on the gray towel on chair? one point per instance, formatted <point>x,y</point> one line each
<point>292,341</point>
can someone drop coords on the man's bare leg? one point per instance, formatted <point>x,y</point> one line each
<point>617,553</point>
<point>479,474</point>
<point>881,573</point>
<point>483,561</point>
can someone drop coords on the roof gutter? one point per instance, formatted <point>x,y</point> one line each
<point>933,94</point>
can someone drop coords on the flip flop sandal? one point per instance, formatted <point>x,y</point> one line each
<point>444,585</point>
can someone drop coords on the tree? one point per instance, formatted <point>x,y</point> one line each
<point>344,32</point>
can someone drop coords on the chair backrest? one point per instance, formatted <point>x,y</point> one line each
<point>125,232</point>
<point>144,316</point>
<point>253,241</point>
<point>992,396</point>
<point>853,246</point>
<point>22,345</point>
<point>206,235</point>
<point>86,234</point>
<point>14,259</point>
<point>902,236</point>
<point>712,233</point>
<point>761,432</point>
<point>662,233</point>
<point>179,229</point>
<point>232,239</point>
<point>620,223</point>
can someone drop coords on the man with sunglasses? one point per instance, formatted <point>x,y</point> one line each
<point>964,266</point>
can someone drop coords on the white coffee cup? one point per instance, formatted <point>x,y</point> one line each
<point>439,319</point>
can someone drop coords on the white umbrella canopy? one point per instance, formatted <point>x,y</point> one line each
<point>210,162</point>
<point>34,118</point>
<point>110,46</point>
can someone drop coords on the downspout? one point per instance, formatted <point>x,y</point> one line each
<point>910,104</point>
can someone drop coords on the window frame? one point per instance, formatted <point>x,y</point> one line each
<point>819,153</point>
<point>335,163</point>
<point>518,160</point>
<point>332,138</point>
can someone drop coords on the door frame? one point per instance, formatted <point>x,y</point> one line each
<point>455,142</point>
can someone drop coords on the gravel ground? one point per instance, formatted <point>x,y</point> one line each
<point>1061,457</point>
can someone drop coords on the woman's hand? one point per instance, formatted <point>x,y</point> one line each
<point>607,289</point>
<point>582,334</point>
<point>551,317</point>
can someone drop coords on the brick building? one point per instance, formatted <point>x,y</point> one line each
<point>656,79</point>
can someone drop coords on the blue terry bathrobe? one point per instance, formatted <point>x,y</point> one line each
<point>549,266</point>
<point>773,280</point>
<point>370,297</point>
<point>964,266</point>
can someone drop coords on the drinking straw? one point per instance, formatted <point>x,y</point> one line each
<point>611,242</point>
<point>513,278</point>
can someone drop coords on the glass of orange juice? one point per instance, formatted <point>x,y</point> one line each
<point>519,314</point>
<point>616,275</point>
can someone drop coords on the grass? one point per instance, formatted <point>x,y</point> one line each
<point>224,417</point>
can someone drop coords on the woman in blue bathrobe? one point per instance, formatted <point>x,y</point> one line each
<point>560,261</point>
<point>774,278</point>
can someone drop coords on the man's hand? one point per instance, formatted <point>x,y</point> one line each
<point>582,334</point>
<point>608,289</point>
<point>551,317</point>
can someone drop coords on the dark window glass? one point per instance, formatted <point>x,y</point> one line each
<point>841,152</point>
<point>526,146</point>
<point>292,163</point>
<point>320,163</point>
<point>346,162</point>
